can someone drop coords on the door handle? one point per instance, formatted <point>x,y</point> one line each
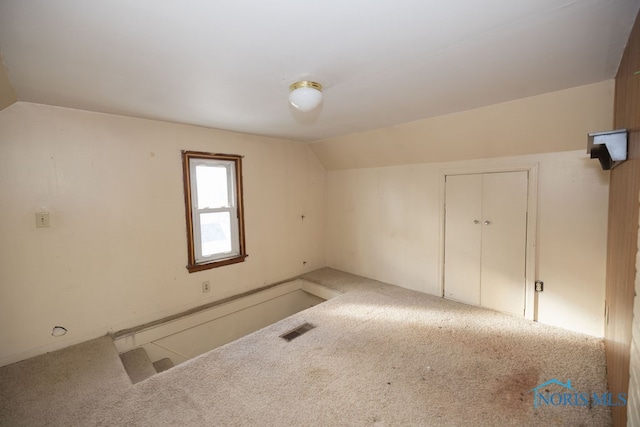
<point>487,222</point>
<point>475,221</point>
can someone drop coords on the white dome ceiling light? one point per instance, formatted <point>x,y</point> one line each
<point>305,95</point>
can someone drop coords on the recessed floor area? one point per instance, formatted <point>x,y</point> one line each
<point>379,355</point>
<point>186,337</point>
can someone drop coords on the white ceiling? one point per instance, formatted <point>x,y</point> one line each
<point>228,64</point>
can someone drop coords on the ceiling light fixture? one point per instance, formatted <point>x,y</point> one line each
<point>305,95</point>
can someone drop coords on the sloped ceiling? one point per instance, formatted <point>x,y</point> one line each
<point>228,64</point>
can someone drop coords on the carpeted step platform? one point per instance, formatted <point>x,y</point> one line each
<point>138,365</point>
<point>57,388</point>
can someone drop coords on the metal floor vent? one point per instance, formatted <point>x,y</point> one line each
<point>295,333</point>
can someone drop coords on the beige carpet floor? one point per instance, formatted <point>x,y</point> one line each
<point>379,355</point>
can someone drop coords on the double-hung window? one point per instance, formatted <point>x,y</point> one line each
<point>214,210</point>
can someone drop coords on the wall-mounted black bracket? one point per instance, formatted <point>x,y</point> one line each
<point>610,147</point>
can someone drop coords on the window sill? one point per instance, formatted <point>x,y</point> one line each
<point>192,268</point>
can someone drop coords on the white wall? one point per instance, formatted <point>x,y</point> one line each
<point>384,223</point>
<point>115,254</point>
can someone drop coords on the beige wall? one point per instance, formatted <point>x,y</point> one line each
<point>385,223</point>
<point>7,94</point>
<point>553,122</point>
<point>115,253</point>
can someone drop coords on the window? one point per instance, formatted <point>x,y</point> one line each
<point>213,201</point>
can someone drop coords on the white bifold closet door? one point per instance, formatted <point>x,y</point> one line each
<point>485,240</point>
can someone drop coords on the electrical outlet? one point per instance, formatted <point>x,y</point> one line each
<point>205,287</point>
<point>539,286</point>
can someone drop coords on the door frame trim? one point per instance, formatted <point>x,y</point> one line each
<point>531,267</point>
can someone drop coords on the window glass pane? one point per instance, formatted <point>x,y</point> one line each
<point>211,184</point>
<point>215,229</point>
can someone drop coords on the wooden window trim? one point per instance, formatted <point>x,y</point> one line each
<point>192,265</point>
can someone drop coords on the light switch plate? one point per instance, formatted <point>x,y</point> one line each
<point>42,220</point>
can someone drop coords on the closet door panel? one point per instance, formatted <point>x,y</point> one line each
<point>504,231</point>
<point>463,208</point>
